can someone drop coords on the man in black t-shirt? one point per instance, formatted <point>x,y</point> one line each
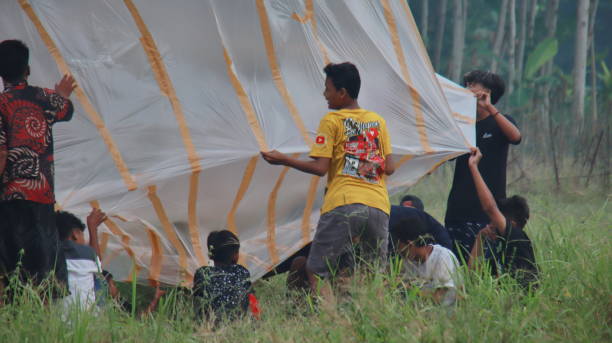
<point>494,132</point>
<point>508,218</point>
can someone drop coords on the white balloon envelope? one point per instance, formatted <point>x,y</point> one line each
<point>177,98</point>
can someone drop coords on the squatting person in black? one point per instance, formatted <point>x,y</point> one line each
<point>508,219</point>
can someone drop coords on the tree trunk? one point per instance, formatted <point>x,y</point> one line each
<point>547,120</point>
<point>520,57</point>
<point>511,46</point>
<point>592,15</point>
<point>533,12</point>
<point>456,62</point>
<point>580,59</point>
<point>424,21</point>
<point>499,35</point>
<point>593,63</point>
<point>440,32</point>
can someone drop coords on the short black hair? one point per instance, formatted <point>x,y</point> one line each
<point>416,202</point>
<point>14,57</point>
<point>66,222</point>
<point>413,229</point>
<point>515,208</point>
<point>344,75</point>
<point>489,80</point>
<point>222,246</point>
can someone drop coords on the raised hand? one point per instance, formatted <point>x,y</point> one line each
<point>95,218</point>
<point>274,157</point>
<point>65,86</point>
<point>489,232</point>
<point>475,156</point>
<point>484,98</point>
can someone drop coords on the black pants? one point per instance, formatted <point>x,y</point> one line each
<point>28,236</point>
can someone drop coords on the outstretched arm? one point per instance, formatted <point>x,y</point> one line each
<point>487,201</point>
<point>94,219</point>
<point>316,166</point>
<point>153,304</point>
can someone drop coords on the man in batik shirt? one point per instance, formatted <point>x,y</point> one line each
<point>27,226</point>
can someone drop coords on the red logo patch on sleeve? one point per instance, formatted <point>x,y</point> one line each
<point>320,140</point>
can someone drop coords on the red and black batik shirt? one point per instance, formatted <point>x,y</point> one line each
<point>26,116</point>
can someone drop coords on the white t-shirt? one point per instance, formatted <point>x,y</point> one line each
<point>438,271</point>
<point>82,264</point>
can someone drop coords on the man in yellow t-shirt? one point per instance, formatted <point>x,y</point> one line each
<point>352,146</point>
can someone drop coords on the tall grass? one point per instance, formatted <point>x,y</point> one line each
<point>571,232</point>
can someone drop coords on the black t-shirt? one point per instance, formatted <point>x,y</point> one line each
<point>517,257</point>
<point>463,204</point>
<point>434,227</point>
<point>224,290</point>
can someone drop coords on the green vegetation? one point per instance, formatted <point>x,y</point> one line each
<point>571,231</point>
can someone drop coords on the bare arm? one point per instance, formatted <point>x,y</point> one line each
<point>487,201</point>
<point>153,304</point>
<point>389,165</point>
<point>316,166</point>
<point>509,130</point>
<point>477,247</point>
<point>94,219</point>
<point>476,251</point>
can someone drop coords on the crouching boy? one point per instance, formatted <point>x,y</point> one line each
<point>81,259</point>
<point>223,291</point>
<point>508,218</point>
<point>427,265</point>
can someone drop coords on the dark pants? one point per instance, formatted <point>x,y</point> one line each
<point>463,235</point>
<point>339,229</point>
<point>29,242</point>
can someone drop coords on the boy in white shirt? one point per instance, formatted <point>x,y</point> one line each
<point>81,259</point>
<point>431,267</point>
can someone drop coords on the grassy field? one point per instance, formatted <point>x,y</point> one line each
<point>571,231</point>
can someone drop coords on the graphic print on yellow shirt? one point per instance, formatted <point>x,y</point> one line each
<point>362,155</point>
<point>357,142</point>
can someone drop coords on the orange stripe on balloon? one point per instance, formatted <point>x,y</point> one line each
<point>245,103</point>
<point>169,231</point>
<point>244,186</point>
<point>103,244</point>
<point>414,95</point>
<point>276,73</point>
<point>93,114</point>
<point>157,257</point>
<point>404,159</point>
<point>310,199</point>
<point>464,118</point>
<point>124,238</point>
<point>271,234</point>
<point>167,88</point>
<point>310,17</point>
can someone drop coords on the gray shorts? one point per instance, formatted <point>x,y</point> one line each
<point>339,229</point>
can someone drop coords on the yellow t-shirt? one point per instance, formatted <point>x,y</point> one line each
<point>357,141</point>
